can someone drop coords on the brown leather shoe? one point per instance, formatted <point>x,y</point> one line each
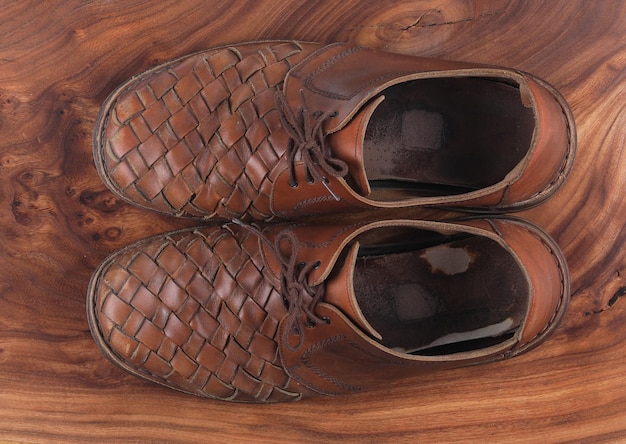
<point>288,129</point>
<point>237,314</point>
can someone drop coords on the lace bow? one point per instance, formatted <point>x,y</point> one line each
<point>294,286</point>
<point>306,137</point>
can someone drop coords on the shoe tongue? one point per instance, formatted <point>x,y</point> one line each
<point>347,145</point>
<point>340,290</point>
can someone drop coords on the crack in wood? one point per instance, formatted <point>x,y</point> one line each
<point>416,23</point>
<point>618,294</point>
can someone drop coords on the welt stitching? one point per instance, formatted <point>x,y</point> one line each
<point>556,312</point>
<point>568,154</point>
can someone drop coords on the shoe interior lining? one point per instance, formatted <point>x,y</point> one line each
<point>445,136</point>
<point>440,294</point>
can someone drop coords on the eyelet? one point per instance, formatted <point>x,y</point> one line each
<point>317,265</point>
<point>294,185</point>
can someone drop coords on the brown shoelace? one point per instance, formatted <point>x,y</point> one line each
<point>306,137</point>
<point>294,285</point>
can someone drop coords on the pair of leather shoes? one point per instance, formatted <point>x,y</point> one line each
<point>285,130</point>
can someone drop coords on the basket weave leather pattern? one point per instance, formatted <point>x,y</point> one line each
<point>197,311</point>
<point>160,126</point>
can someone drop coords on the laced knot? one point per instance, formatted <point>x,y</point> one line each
<point>294,286</point>
<point>306,137</point>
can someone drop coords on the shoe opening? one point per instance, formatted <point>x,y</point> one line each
<point>445,136</point>
<point>431,294</point>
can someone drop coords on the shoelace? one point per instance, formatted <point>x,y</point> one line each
<point>306,136</point>
<point>294,285</point>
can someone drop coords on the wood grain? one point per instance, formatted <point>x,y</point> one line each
<point>58,62</point>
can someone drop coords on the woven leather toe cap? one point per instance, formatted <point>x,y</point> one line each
<point>190,312</point>
<point>194,137</point>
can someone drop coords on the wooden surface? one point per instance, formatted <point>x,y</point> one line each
<point>58,62</point>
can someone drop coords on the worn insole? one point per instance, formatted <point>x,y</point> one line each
<point>445,136</point>
<point>459,291</point>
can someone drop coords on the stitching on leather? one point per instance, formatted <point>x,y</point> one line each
<point>298,69</point>
<point>567,155</point>
<point>312,201</point>
<point>557,312</point>
<point>315,200</point>
<point>558,177</point>
<point>308,80</point>
<point>306,359</point>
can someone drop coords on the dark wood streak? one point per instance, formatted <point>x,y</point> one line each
<point>60,60</point>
